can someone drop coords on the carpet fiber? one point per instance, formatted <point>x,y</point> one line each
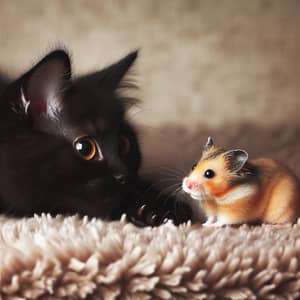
<point>51,258</point>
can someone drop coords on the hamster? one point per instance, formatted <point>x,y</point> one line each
<point>233,190</point>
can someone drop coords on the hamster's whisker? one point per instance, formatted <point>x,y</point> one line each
<point>165,191</point>
<point>173,170</point>
<point>158,184</point>
<point>170,179</point>
<point>174,193</point>
<point>161,172</point>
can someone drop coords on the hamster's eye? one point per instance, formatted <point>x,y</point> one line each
<point>194,166</point>
<point>209,173</point>
<point>85,147</point>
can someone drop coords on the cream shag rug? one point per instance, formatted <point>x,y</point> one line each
<point>72,258</point>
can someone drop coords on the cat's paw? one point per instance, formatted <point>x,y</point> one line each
<point>147,215</point>
<point>143,216</point>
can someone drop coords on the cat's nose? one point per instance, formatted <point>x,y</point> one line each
<point>121,178</point>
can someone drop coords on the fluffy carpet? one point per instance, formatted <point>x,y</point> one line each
<point>71,258</point>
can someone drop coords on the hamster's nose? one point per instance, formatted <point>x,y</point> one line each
<point>121,178</point>
<point>191,185</point>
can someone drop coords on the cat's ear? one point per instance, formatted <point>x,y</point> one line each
<point>41,89</point>
<point>113,74</point>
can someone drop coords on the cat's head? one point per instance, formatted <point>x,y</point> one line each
<point>65,144</point>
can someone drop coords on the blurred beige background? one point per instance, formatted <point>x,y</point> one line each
<point>202,62</point>
<point>224,68</point>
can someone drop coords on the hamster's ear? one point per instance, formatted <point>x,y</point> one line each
<point>41,87</point>
<point>236,159</point>
<point>209,144</point>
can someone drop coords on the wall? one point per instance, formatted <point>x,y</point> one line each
<point>201,62</point>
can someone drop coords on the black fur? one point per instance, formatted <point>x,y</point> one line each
<point>3,83</point>
<point>39,169</point>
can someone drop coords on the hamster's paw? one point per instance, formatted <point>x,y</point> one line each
<point>210,220</point>
<point>215,224</point>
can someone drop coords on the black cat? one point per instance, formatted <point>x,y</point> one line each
<point>3,83</point>
<point>66,146</point>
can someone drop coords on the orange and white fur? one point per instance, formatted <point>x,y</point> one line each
<point>233,190</point>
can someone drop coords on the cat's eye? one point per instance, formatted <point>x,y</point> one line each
<point>194,166</point>
<point>86,148</point>
<point>209,174</point>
